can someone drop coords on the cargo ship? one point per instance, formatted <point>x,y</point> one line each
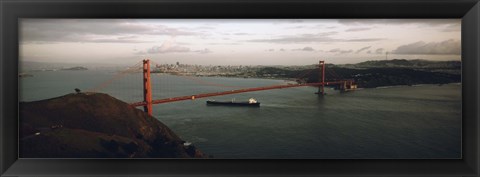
<point>250,102</point>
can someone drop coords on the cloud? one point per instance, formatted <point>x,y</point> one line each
<point>362,49</point>
<point>310,38</point>
<point>223,43</point>
<point>444,25</point>
<point>306,49</point>
<point>174,49</point>
<point>169,46</point>
<point>206,27</point>
<point>357,29</point>
<point>92,30</point>
<point>282,50</point>
<point>204,51</point>
<point>296,27</point>
<point>339,51</point>
<point>447,47</point>
<point>379,51</point>
<point>452,28</point>
<point>115,41</point>
<point>423,22</point>
<point>270,50</point>
<point>241,34</point>
<point>140,53</point>
<point>295,21</point>
<point>364,40</point>
<point>303,38</point>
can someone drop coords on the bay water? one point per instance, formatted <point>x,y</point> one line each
<point>400,122</point>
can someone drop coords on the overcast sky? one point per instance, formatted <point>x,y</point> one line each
<point>238,42</point>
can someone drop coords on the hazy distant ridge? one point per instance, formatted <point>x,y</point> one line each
<point>403,63</point>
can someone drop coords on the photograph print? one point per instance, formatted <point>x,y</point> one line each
<point>240,88</point>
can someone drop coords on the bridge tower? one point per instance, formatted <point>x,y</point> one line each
<point>147,88</point>
<point>321,75</point>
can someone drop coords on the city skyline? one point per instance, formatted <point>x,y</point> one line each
<point>238,41</point>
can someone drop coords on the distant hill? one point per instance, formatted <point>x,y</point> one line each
<point>378,77</point>
<point>27,66</point>
<point>76,68</point>
<point>95,125</point>
<point>403,63</point>
<point>275,72</point>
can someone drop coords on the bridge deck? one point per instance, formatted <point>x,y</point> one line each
<point>203,95</point>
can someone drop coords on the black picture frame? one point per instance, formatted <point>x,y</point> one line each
<point>11,11</point>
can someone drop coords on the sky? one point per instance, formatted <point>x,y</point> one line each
<point>238,41</point>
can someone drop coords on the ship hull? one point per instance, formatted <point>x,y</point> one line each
<point>229,103</point>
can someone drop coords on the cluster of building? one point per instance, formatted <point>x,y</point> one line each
<point>210,70</point>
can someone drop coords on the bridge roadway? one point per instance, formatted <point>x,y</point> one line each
<point>203,95</point>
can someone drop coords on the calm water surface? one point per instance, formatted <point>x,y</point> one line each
<point>421,121</point>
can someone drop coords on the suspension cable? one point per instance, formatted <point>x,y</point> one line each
<point>115,77</point>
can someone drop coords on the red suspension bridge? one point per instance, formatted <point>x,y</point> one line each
<point>148,101</point>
